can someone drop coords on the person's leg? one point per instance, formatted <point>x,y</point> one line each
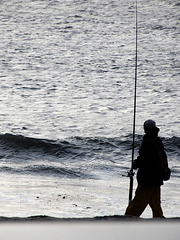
<point>140,201</point>
<point>155,203</point>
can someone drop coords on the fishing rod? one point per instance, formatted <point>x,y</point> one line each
<point>131,173</point>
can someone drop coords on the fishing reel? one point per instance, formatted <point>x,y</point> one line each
<point>130,173</point>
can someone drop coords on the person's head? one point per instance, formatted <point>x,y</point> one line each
<point>150,127</point>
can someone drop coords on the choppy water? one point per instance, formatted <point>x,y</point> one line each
<point>66,103</point>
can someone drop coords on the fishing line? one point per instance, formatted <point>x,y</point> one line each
<point>131,173</point>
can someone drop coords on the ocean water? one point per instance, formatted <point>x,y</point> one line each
<point>67,85</point>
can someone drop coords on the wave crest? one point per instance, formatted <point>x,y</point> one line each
<point>76,145</point>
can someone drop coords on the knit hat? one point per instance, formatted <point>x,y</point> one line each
<point>150,126</point>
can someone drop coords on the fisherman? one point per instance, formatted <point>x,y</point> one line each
<point>152,168</point>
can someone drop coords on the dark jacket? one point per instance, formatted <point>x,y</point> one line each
<point>148,162</point>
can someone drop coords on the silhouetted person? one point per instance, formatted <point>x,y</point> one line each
<point>152,168</point>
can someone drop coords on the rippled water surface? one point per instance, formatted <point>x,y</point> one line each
<point>66,102</point>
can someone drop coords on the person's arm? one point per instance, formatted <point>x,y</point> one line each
<point>137,163</point>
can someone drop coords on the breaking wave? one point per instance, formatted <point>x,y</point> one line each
<point>75,157</point>
<point>74,144</point>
